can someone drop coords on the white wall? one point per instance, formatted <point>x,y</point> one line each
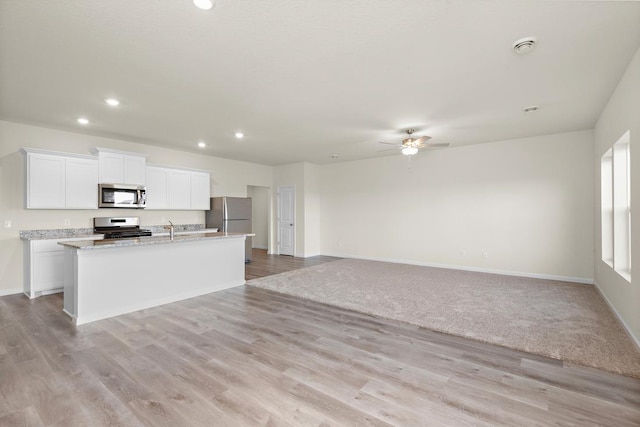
<point>622,113</point>
<point>260,208</point>
<point>527,204</point>
<point>312,210</point>
<point>305,178</point>
<point>228,178</point>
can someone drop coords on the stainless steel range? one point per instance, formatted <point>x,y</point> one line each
<point>119,227</point>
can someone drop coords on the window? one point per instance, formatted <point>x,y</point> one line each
<point>615,172</point>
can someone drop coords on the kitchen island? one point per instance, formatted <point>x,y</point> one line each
<point>106,278</point>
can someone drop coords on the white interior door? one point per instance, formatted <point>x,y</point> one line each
<point>286,220</point>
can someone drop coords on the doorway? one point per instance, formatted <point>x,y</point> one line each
<point>286,220</point>
<point>260,217</point>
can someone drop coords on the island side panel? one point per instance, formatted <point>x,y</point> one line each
<point>70,266</point>
<point>115,281</point>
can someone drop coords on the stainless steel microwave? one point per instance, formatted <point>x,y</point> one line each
<point>122,196</point>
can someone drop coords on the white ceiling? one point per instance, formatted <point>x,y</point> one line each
<point>306,79</point>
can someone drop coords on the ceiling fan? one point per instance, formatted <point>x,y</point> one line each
<point>411,145</point>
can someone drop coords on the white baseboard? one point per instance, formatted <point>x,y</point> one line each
<point>626,327</point>
<point>583,280</point>
<point>4,292</point>
<point>259,247</point>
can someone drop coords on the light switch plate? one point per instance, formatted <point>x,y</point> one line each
<point>7,223</point>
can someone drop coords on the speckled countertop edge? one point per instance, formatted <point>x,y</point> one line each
<point>59,233</point>
<point>65,233</point>
<point>158,240</point>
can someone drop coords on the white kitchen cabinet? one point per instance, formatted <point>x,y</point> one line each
<point>177,189</point>
<point>200,191</point>
<point>81,189</point>
<point>135,170</point>
<point>157,188</point>
<point>44,266</point>
<point>45,181</point>
<point>60,180</point>
<point>121,167</point>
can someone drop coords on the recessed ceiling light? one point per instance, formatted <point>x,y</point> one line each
<point>203,4</point>
<point>239,135</point>
<point>201,144</point>
<point>334,156</point>
<point>530,108</point>
<point>524,45</point>
<point>83,120</point>
<point>112,102</point>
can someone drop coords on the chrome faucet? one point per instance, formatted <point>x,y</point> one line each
<point>171,230</point>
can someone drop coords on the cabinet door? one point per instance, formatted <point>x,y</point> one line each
<point>134,170</point>
<point>48,273</point>
<point>179,189</point>
<point>45,181</point>
<point>47,266</point>
<point>81,183</point>
<point>111,168</point>
<point>157,188</point>
<point>200,190</point>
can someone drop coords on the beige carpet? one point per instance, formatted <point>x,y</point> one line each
<point>565,321</point>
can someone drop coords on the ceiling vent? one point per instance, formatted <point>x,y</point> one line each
<point>524,45</point>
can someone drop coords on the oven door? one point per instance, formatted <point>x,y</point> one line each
<point>122,196</point>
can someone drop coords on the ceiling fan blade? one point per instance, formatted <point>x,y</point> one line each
<point>389,143</point>
<point>437,144</point>
<point>421,140</point>
<point>388,149</point>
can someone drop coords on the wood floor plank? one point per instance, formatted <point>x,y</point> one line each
<point>247,356</point>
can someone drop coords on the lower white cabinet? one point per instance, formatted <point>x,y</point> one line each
<point>44,266</point>
<point>177,189</point>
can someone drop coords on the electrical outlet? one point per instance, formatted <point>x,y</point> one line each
<point>485,254</point>
<point>7,223</point>
<point>339,244</point>
<point>463,253</point>
<point>67,221</point>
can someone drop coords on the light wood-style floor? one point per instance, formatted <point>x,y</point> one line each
<point>247,356</point>
<point>263,264</point>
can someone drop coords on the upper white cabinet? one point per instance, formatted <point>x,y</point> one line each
<point>200,191</point>
<point>121,167</point>
<point>177,189</point>
<point>157,188</point>
<point>81,189</point>
<point>60,180</point>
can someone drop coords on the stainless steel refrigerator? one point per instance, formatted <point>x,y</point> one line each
<point>232,214</point>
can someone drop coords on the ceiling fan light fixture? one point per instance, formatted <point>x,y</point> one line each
<point>409,151</point>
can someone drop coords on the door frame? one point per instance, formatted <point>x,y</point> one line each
<point>293,188</point>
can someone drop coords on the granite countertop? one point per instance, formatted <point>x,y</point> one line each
<point>58,233</point>
<point>153,240</point>
<point>66,233</point>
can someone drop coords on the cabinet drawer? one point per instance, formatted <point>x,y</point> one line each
<point>47,246</point>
